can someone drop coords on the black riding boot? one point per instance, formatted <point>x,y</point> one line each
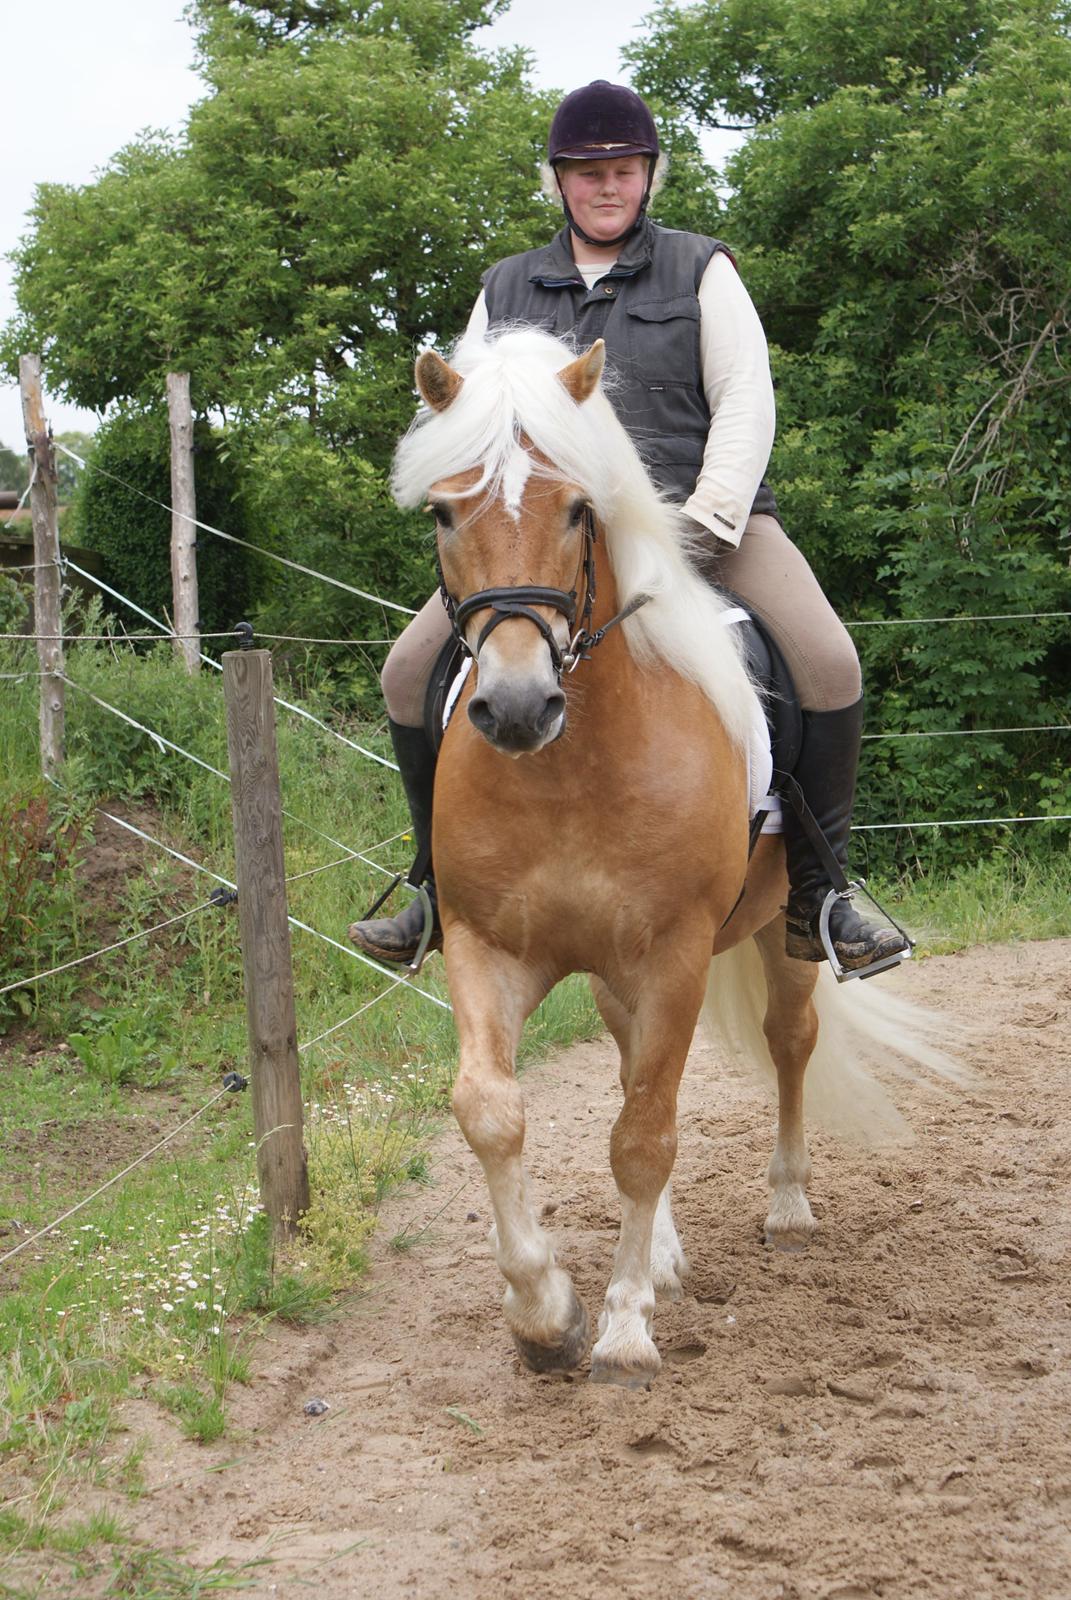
<point>829,757</point>
<point>397,939</point>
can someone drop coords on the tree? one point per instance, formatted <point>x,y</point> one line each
<point>68,472</point>
<point>14,470</point>
<point>899,213</point>
<point>328,209</point>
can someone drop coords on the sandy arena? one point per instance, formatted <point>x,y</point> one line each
<point>884,1415</point>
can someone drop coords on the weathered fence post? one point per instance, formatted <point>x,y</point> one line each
<point>183,528</point>
<point>46,578</point>
<point>256,806</point>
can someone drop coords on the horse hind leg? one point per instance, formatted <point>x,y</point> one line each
<point>493,996</point>
<point>791,1029</point>
<point>669,1264</point>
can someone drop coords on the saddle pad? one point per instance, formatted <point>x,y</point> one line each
<point>759,755</point>
<point>759,752</point>
<point>453,694</point>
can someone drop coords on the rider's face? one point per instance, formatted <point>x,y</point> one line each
<point>604,197</point>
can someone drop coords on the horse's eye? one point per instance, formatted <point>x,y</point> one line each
<point>576,516</point>
<point>441,513</point>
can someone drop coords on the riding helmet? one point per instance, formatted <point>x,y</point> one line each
<point>600,120</point>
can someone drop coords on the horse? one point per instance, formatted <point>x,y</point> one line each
<point>591,815</point>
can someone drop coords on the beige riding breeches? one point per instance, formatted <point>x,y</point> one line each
<point>766,570</point>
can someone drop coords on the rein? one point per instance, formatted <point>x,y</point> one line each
<point>517,601</point>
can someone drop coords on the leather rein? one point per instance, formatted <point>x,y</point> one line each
<point>519,599</point>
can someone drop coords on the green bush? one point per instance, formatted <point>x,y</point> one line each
<point>131,460</point>
<point>14,602</point>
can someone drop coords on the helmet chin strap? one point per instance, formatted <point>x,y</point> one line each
<point>629,231</point>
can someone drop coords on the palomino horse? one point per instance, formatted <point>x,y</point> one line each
<point>595,820</point>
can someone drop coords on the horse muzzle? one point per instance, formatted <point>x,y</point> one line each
<point>518,718</point>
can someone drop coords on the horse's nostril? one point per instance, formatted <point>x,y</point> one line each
<point>481,716</point>
<point>516,722</point>
<point>553,710</point>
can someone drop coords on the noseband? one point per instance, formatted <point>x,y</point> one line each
<point>518,600</point>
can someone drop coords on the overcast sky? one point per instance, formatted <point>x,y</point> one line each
<point>81,86</point>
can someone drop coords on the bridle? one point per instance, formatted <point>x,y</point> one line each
<point>518,600</point>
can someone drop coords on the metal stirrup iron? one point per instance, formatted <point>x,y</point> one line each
<point>843,975</point>
<point>786,786</point>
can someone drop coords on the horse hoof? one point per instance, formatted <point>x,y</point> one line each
<point>623,1377</point>
<point>789,1241</point>
<point>563,1357</point>
<point>626,1357</point>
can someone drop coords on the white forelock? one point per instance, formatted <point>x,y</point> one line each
<point>511,390</point>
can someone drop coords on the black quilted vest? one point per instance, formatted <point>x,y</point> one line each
<point>647,310</point>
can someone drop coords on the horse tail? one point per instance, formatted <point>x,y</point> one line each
<point>862,1028</point>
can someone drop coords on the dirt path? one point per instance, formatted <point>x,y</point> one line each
<point>884,1415</point>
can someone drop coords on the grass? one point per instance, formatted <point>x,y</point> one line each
<point>125,1573</point>
<point>1002,898</point>
<point>160,1287</point>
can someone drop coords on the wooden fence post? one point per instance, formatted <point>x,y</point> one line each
<point>46,578</point>
<point>183,528</point>
<point>256,806</point>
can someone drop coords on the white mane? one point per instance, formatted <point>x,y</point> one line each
<point>511,389</point>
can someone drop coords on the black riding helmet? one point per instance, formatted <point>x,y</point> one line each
<point>596,123</point>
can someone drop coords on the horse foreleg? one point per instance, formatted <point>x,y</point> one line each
<point>791,1028</point>
<point>493,994</point>
<point>669,1264</point>
<point>643,1147</point>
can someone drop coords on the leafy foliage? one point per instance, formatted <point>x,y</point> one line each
<point>330,206</point>
<point>14,470</point>
<point>898,216</point>
<point>120,512</point>
<point>39,847</point>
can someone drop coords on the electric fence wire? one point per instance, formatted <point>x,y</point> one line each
<point>964,733</point>
<point>942,733</point>
<point>357,855</point>
<point>153,638</point>
<point>916,622</point>
<point>144,933</point>
<point>232,538</point>
<point>217,666</point>
<point>118,944</point>
<point>870,622</point>
<point>960,822</point>
<point>13,513</point>
<point>305,927</point>
<point>163,743</point>
<point>336,1026</point>
<point>232,1083</point>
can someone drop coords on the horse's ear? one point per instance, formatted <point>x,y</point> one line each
<point>581,377</point>
<point>438,383</point>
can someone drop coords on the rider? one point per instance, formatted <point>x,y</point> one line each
<point>693,388</point>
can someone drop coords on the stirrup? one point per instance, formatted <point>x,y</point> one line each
<point>842,974</point>
<point>428,910</point>
<point>429,928</point>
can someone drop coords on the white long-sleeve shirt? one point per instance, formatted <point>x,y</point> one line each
<point>739,393</point>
